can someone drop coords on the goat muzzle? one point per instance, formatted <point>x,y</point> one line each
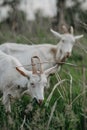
<point>40,102</point>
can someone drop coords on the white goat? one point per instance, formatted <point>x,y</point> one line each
<point>14,80</point>
<point>47,52</point>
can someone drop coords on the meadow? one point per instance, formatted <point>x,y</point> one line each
<point>65,104</point>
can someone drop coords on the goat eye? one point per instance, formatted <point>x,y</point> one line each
<point>63,40</point>
<point>32,84</point>
<point>28,78</point>
<point>18,86</point>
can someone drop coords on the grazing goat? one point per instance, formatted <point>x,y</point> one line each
<point>15,80</point>
<point>51,53</point>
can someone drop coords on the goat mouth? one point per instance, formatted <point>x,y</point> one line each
<point>35,101</point>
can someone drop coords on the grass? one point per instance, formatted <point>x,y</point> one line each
<point>63,107</point>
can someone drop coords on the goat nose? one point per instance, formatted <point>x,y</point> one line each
<point>40,101</point>
<point>68,54</point>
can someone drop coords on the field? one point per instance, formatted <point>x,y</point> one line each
<point>65,104</point>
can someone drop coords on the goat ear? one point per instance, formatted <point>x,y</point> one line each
<point>22,72</point>
<point>58,35</point>
<point>78,37</point>
<point>51,70</point>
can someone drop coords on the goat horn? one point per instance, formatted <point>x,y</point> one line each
<point>41,71</point>
<point>71,30</point>
<point>65,29</point>
<point>34,71</point>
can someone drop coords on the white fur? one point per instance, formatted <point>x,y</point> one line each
<point>13,84</point>
<point>44,51</point>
